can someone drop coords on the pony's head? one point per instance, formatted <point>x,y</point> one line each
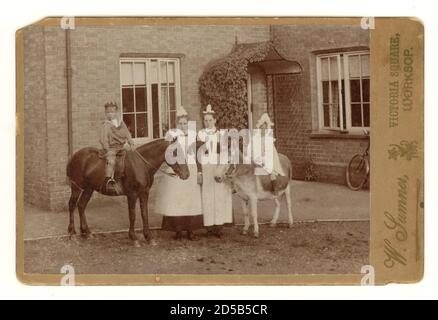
<point>175,159</point>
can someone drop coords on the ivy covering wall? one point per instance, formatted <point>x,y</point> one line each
<point>223,84</point>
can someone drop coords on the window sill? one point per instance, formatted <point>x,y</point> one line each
<point>337,135</point>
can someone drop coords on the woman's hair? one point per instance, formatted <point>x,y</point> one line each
<point>186,116</point>
<point>210,114</point>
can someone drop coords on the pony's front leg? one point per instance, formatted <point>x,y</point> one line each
<point>253,209</point>
<point>245,210</point>
<point>276,212</point>
<point>144,215</point>
<point>132,200</point>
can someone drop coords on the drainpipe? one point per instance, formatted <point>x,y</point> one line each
<point>68,73</point>
<point>271,33</point>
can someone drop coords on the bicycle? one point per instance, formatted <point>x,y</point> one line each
<point>358,169</point>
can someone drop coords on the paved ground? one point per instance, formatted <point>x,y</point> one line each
<point>311,201</point>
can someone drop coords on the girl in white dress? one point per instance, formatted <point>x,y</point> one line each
<point>179,201</point>
<point>216,197</point>
<point>279,178</point>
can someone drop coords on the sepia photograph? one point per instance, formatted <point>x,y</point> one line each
<point>196,147</point>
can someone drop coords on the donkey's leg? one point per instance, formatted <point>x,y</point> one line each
<point>132,201</point>
<point>289,205</point>
<point>75,194</point>
<point>253,209</point>
<point>245,209</point>
<point>144,215</point>
<point>276,212</point>
<point>82,204</point>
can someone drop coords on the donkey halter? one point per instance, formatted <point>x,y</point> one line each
<point>230,173</point>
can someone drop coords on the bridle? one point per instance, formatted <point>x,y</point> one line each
<point>230,173</point>
<point>172,174</point>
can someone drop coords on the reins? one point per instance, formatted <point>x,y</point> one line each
<point>172,175</point>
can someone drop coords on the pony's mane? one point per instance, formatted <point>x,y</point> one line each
<point>150,144</point>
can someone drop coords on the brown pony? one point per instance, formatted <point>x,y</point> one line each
<point>86,171</point>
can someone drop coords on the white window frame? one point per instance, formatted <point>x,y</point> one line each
<point>342,104</point>
<point>149,110</point>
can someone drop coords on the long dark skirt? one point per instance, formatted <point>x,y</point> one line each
<point>183,223</point>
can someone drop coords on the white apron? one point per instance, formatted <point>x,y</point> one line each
<point>216,197</point>
<point>177,197</point>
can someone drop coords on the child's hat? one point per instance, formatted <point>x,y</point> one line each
<point>111,104</point>
<point>181,112</point>
<point>265,119</point>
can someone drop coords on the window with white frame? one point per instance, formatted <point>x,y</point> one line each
<point>344,91</point>
<point>150,92</point>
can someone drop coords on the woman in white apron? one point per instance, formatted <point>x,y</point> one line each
<point>179,201</point>
<point>216,197</point>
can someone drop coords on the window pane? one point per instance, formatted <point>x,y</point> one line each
<point>366,114</point>
<point>325,91</point>
<point>128,99</point>
<point>140,99</point>
<point>171,72</point>
<point>366,90</point>
<point>354,66</point>
<point>172,119</point>
<point>155,112</point>
<point>154,71</point>
<point>164,110</point>
<point>129,121</point>
<point>365,61</point>
<point>326,115</point>
<point>334,68</point>
<point>142,125</point>
<point>126,74</point>
<point>164,102</point>
<point>324,69</point>
<point>356,115</point>
<point>163,72</point>
<point>335,104</point>
<point>172,98</point>
<point>358,63</point>
<point>343,104</point>
<point>355,90</point>
<point>139,74</point>
<point>335,92</point>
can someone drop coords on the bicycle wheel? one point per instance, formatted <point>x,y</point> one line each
<point>357,172</point>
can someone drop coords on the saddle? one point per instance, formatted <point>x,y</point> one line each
<point>269,185</point>
<point>119,167</point>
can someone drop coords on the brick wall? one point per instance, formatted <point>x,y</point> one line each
<point>295,100</point>
<point>36,188</point>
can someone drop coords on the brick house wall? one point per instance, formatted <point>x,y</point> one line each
<point>295,100</point>
<point>35,130</point>
<point>96,79</point>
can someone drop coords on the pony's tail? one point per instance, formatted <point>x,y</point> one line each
<point>68,168</point>
<point>68,171</point>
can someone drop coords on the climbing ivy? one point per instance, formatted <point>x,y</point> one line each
<point>223,83</point>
